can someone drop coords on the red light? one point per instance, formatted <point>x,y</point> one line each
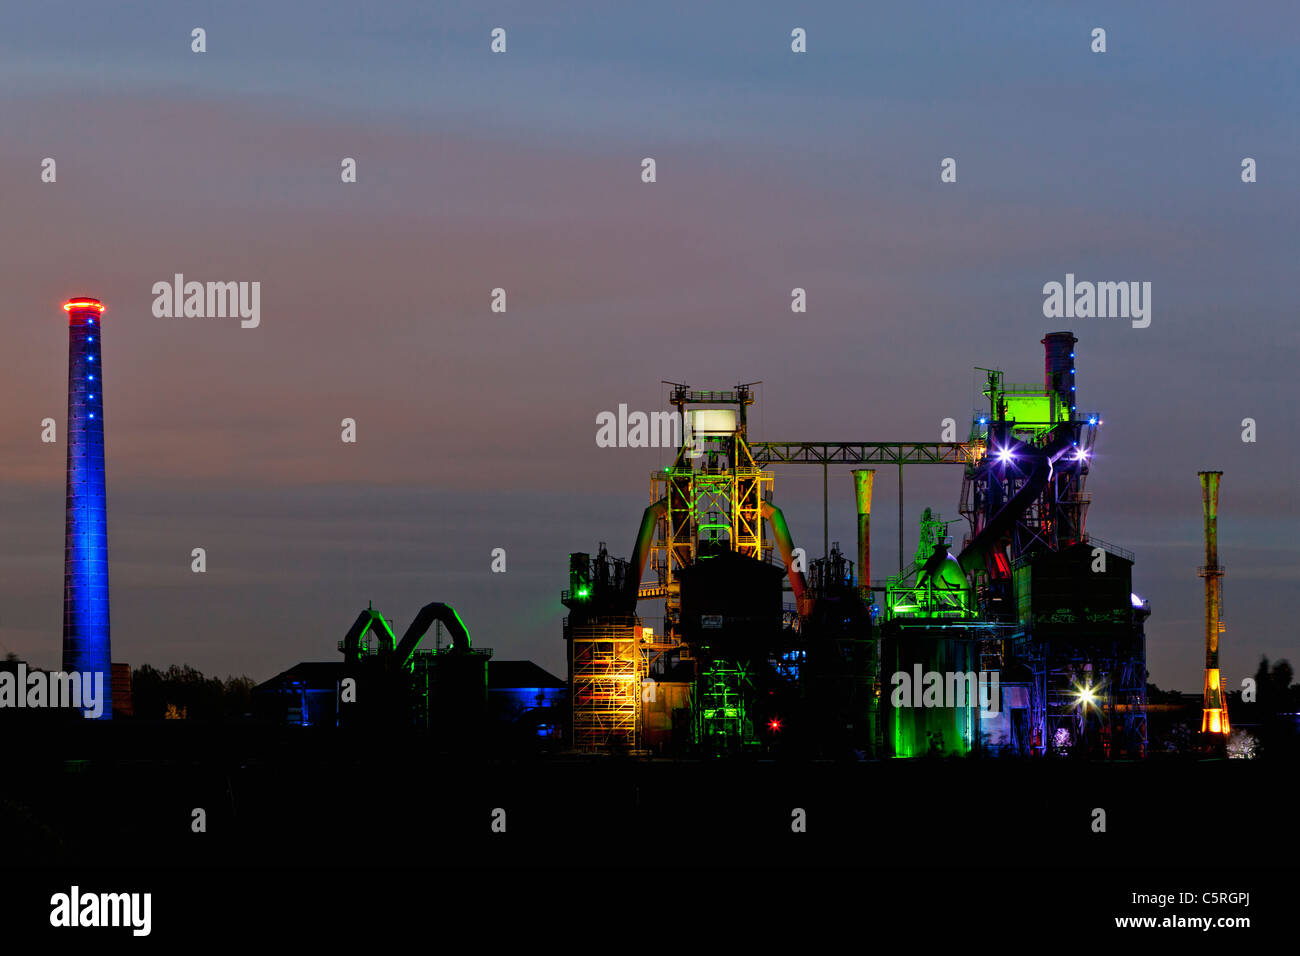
<point>80,304</point>
<point>774,724</point>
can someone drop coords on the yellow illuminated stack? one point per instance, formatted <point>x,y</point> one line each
<point>1214,716</point>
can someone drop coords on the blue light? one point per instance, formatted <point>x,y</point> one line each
<point>86,646</point>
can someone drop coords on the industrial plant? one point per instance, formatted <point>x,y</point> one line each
<point>717,636</point>
<point>1018,634</point>
<point>1031,620</point>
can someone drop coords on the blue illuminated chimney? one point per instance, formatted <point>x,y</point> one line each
<point>85,565</point>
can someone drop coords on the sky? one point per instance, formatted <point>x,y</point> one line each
<point>522,170</point>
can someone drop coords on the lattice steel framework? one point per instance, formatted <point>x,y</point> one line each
<point>1056,516</point>
<point>714,493</point>
<point>606,691</point>
<point>1086,698</point>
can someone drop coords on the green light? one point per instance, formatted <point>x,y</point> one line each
<point>583,592</point>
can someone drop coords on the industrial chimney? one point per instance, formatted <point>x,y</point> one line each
<point>1214,717</point>
<point>863,479</point>
<point>1058,371</point>
<point>85,555</point>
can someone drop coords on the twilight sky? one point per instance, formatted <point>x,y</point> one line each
<point>477,430</point>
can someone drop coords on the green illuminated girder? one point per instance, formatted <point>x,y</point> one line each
<point>926,602</point>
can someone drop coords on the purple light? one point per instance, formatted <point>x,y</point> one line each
<point>1005,455</point>
<point>1135,600</point>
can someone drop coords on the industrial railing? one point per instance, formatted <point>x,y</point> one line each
<point>1119,552</point>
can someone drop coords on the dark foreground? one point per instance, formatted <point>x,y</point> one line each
<point>305,821</point>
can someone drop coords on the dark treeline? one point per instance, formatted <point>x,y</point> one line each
<point>181,692</point>
<point>1272,715</point>
<point>1271,718</point>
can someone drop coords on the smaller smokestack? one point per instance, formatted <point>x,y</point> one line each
<point>1058,369</point>
<point>1214,716</point>
<point>863,479</point>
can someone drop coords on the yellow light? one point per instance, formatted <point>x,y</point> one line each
<point>1086,696</point>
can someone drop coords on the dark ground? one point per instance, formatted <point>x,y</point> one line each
<point>294,816</point>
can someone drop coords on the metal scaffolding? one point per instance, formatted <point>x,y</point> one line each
<point>606,694</point>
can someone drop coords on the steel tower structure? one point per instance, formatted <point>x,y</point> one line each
<point>1077,625</point>
<point>1214,716</point>
<point>85,569</point>
<point>713,492</point>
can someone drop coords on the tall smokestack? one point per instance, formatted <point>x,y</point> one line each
<point>863,479</point>
<point>1058,370</point>
<point>1214,717</point>
<point>85,555</point>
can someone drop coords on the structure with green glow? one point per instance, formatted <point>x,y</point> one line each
<point>1031,614</point>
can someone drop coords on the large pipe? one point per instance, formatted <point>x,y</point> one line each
<point>644,538</point>
<point>785,544</point>
<point>428,614</point>
<point>863,480</point>
<point>365,622</point>
<point>1214,715</point>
